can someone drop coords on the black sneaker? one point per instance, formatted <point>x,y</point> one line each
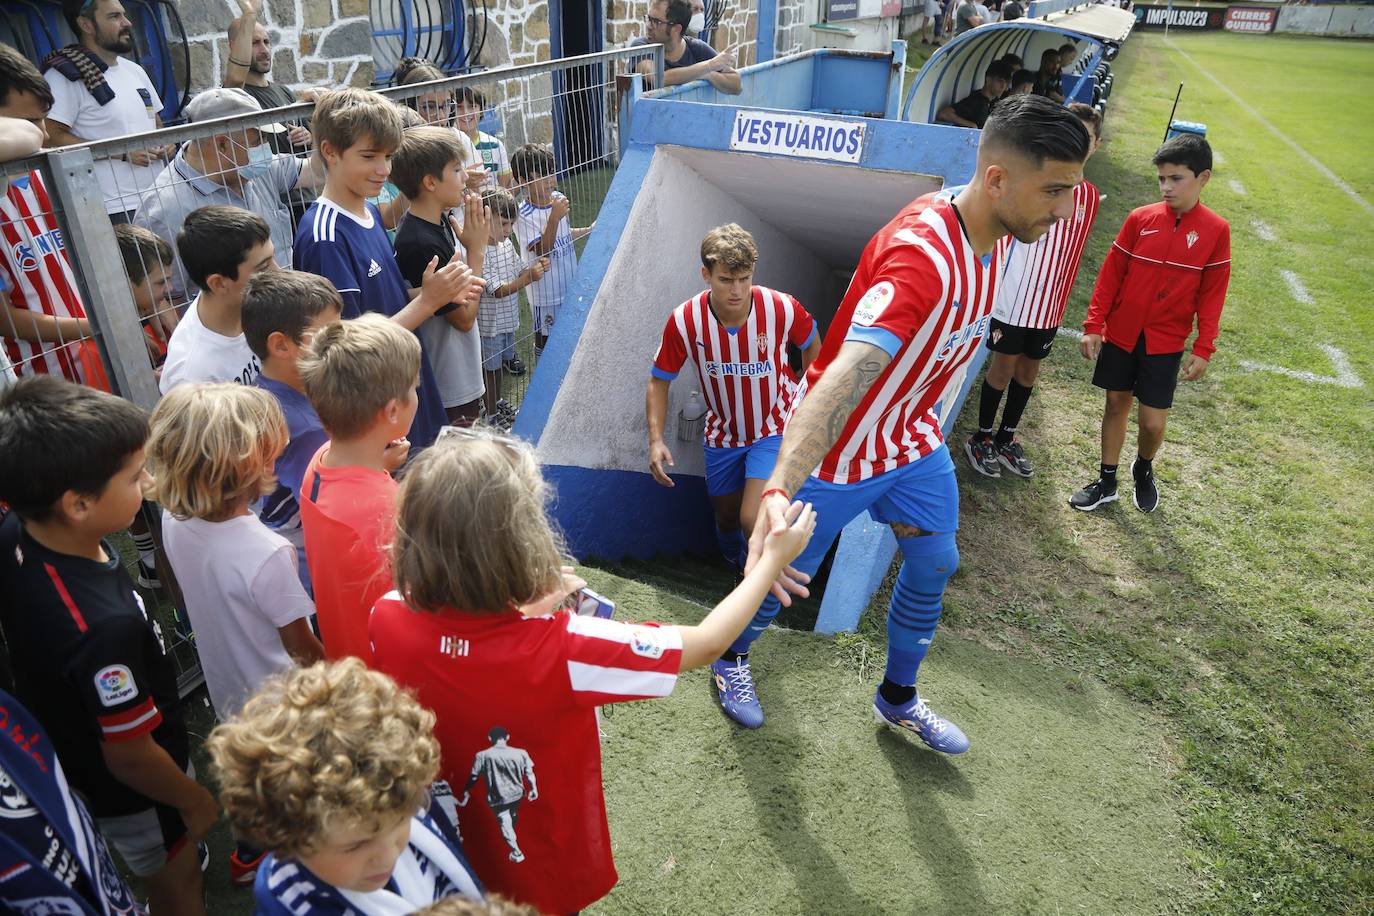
<point>147,575</point>
<point>514,366</point>
<point>982,454</point>
<point>1014,459</point>
<point>1094,495</point>
<point>1146,490</point>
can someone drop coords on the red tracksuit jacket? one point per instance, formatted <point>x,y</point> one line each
<point>1160,272</point>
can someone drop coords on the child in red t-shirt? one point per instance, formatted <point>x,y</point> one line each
<point>476,628</point>
<point>360,376</point>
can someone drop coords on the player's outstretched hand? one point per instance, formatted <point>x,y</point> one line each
<point>773,519</point>
<point>659,455</point>
<point>1194,368</point>
<point>1090,345</point>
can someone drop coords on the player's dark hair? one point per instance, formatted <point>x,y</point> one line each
<point>285,301</point>
<point>1022,77</point>
<point>216,240</point>
<point>1188,150</point>
<point>1036,128</point>
<point>679,14</point>
<point>501,202</point>
<point>998,70</point>
<point>18,74</point>
<point>412,70</point>
<point>1012,60</point>
<point>1089,116</point>
<point>497,733</point>
<point>531,161</point>
<point>1067,46</point>
<point>57,436</point>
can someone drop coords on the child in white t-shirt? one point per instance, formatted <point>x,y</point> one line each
<point>498,312</point>
<point>213,449</point>
<point>492,152</point>
<point>544,231</point>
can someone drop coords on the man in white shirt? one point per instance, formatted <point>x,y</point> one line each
<point>97,94</point>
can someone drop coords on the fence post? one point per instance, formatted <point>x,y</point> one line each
<point>94,251</point>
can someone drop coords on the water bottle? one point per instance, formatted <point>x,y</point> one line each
<point>691,419</point>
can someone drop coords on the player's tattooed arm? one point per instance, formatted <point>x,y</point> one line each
<point>824,412</point>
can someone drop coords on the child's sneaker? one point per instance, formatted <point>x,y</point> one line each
<point>938,734</point>
<point>514,366</point>
<point>735,688</point>
<point>147,575</point>
<point>243,874</point>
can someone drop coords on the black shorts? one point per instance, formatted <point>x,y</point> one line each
<point>1151,376</point>
<point>1035,343</point>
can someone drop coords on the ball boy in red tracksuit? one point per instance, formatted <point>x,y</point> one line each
<point>1171,261</point>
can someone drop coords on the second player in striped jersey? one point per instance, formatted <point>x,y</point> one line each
<point>865,437</point>
<point>736,334</point>
<point>1033,288</point>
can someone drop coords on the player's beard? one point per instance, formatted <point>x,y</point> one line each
<point>261,66</point>
<point>1023,230</point>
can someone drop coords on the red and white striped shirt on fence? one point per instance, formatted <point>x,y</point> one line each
<point>1036,279</point>
<point>922,294</point>
<point>39,277</point>
<point>744,375</point>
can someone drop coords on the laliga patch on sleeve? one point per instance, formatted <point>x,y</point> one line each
<point>873,303</point>
<point>647,642</point>
<point>114,685</point>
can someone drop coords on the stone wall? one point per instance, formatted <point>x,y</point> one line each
<point>315,42</point>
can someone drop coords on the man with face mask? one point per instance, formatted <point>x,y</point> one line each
<point>866,436</point>
<point>670,23</point>
<point>98,94</point>
<point>237,168</point>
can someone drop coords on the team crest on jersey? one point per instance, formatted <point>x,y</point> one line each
<point>1192,238</point>
<point>997,335</point>
<point>762,342</point>
<point>873,303</point>
<point>1079,211</point>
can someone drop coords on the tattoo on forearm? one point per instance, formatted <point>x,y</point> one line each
<point>822,417</point>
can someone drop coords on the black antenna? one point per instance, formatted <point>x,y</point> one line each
<point>1170,123</point>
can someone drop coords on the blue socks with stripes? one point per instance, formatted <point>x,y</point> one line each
<point>917,601</point>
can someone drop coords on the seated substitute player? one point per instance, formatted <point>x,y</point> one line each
<point>1032,290</point>
<point>973,110</point>
<point>1171,261</point>
<point>736,334</point>
<point>865,436</point>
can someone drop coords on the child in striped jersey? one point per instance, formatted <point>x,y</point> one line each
<point>477,628</point>
<point>1026,313</point>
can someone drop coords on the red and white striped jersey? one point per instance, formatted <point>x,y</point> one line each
<point>39,276</point>
<point>923,295</point>
<point>745,378</point>
<point>1035,280</point>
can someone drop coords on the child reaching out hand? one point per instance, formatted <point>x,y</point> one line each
<point>474,628</point>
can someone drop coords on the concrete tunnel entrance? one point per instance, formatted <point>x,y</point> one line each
<point>811,221</point>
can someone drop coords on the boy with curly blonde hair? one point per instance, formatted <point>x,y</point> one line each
<point>329,768</point>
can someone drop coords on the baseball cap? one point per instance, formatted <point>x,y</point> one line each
<point>222,102</point>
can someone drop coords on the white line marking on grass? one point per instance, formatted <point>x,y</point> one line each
<point>1263,230</point>
<point>1237,188</point>
<point>1292,144</point>
<point>1295,287</point>
<point>1345,376</point>
<point>1218,158</point>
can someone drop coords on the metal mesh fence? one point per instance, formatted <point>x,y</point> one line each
<point>95,284</point>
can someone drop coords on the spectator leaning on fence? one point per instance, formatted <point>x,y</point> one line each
<point>684,58</point>
<point>250,60</point>
<point>97,94</point>
<point>44,321</point>
<point>236,168</point>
